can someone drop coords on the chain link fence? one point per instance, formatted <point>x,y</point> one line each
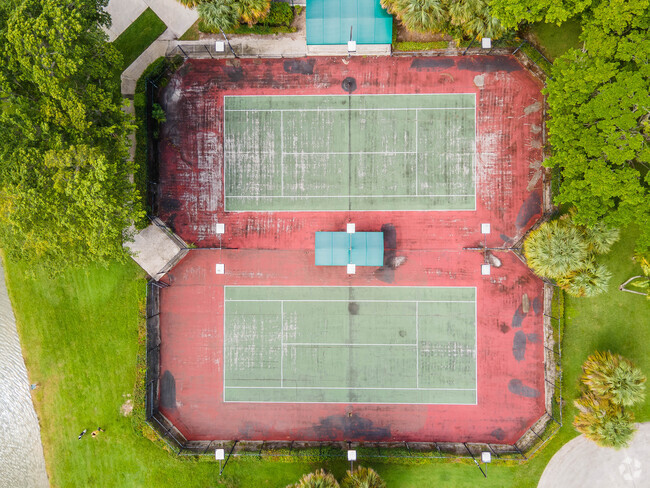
<point>530,442</point>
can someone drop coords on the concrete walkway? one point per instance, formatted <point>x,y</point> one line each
<point>581,463</point>
<point>124,12</point>
<point>177,18</point>
<point>21,453</point>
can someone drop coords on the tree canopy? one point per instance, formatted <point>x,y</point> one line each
<point>511,12</point>
<point>599,127</point>
<point>65,194</point>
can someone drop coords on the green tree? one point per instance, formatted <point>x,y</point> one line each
<point>66,197</point>
<point>362,478</point>
<point>599,119</point>
<point>317,479</point>
<point>512,12</point>
<point>615,378</point>
<point>555,249</point>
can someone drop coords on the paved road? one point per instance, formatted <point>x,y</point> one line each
<point>581,463</point>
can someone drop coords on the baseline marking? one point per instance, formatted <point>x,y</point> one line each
<point>348,301</point>
<point>342,196</point>
<point>340,388</point>
<point>346,344</point>
<point>343,109</point>
<point>417,346</point>
<point>281,343</point>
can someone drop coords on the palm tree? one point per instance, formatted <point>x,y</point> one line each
<point>419,15</point>
<point>252,11</point>
<point>223,14</point>
<point>603,422</point>
<point>317,479</point>
<point>614,377</point>
<point>555,250</point>
<point>600,237</point>
<point>587,282</point>
<point>363,478</point>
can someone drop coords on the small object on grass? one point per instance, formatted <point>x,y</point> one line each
<point>83,432</point>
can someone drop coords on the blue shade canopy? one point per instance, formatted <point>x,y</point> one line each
<point>341,248</point>
<point>329,22</point>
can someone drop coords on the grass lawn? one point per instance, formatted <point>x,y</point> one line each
<point>80,336</point>
<point>555,40</point>
<point>139,36</point>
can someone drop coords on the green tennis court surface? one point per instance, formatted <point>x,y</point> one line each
<point>350,344</point>
<point>366,152</point>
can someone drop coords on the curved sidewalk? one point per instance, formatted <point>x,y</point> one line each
<point>21,452</point>
<point>582,463</point>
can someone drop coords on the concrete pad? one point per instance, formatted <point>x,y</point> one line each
<point>153,249</point>
<point>582,462</point>
<point>174,15</point>
<point>123,13</point>
<point>342,50</point>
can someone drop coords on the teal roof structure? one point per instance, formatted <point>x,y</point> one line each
<point>341,248</point>
<point>329,22</point>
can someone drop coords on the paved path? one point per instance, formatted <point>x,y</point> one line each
<point>21,453</point>
<point>581,463</point>
<point>124,12</point>
<point>177,18</point>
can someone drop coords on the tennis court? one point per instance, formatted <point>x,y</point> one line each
<point>350,344</point>
<point>347,152</point>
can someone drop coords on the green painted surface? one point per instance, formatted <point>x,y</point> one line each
<point>366,152</point>
<point>358,344</point>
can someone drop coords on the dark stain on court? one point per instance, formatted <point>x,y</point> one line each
<point>431,64</point>
<point>167,390</point>
<point>350,427</point>
<point>518,388</point>
<point>300,66</point>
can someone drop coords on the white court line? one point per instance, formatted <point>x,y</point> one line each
<point>416,152</point>
<point>281,154</point>
<point>343,196</point>
<point>348,301</point>
<point>311,344</point>
<point>417,345</point>
<point>281,343</point>
<point>327,95</point>
<point>301,153</point>
<point>223,362</point>
<point>341,388</point>
<point>342,109</point>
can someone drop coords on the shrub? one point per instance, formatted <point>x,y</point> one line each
<point>280,14</point>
